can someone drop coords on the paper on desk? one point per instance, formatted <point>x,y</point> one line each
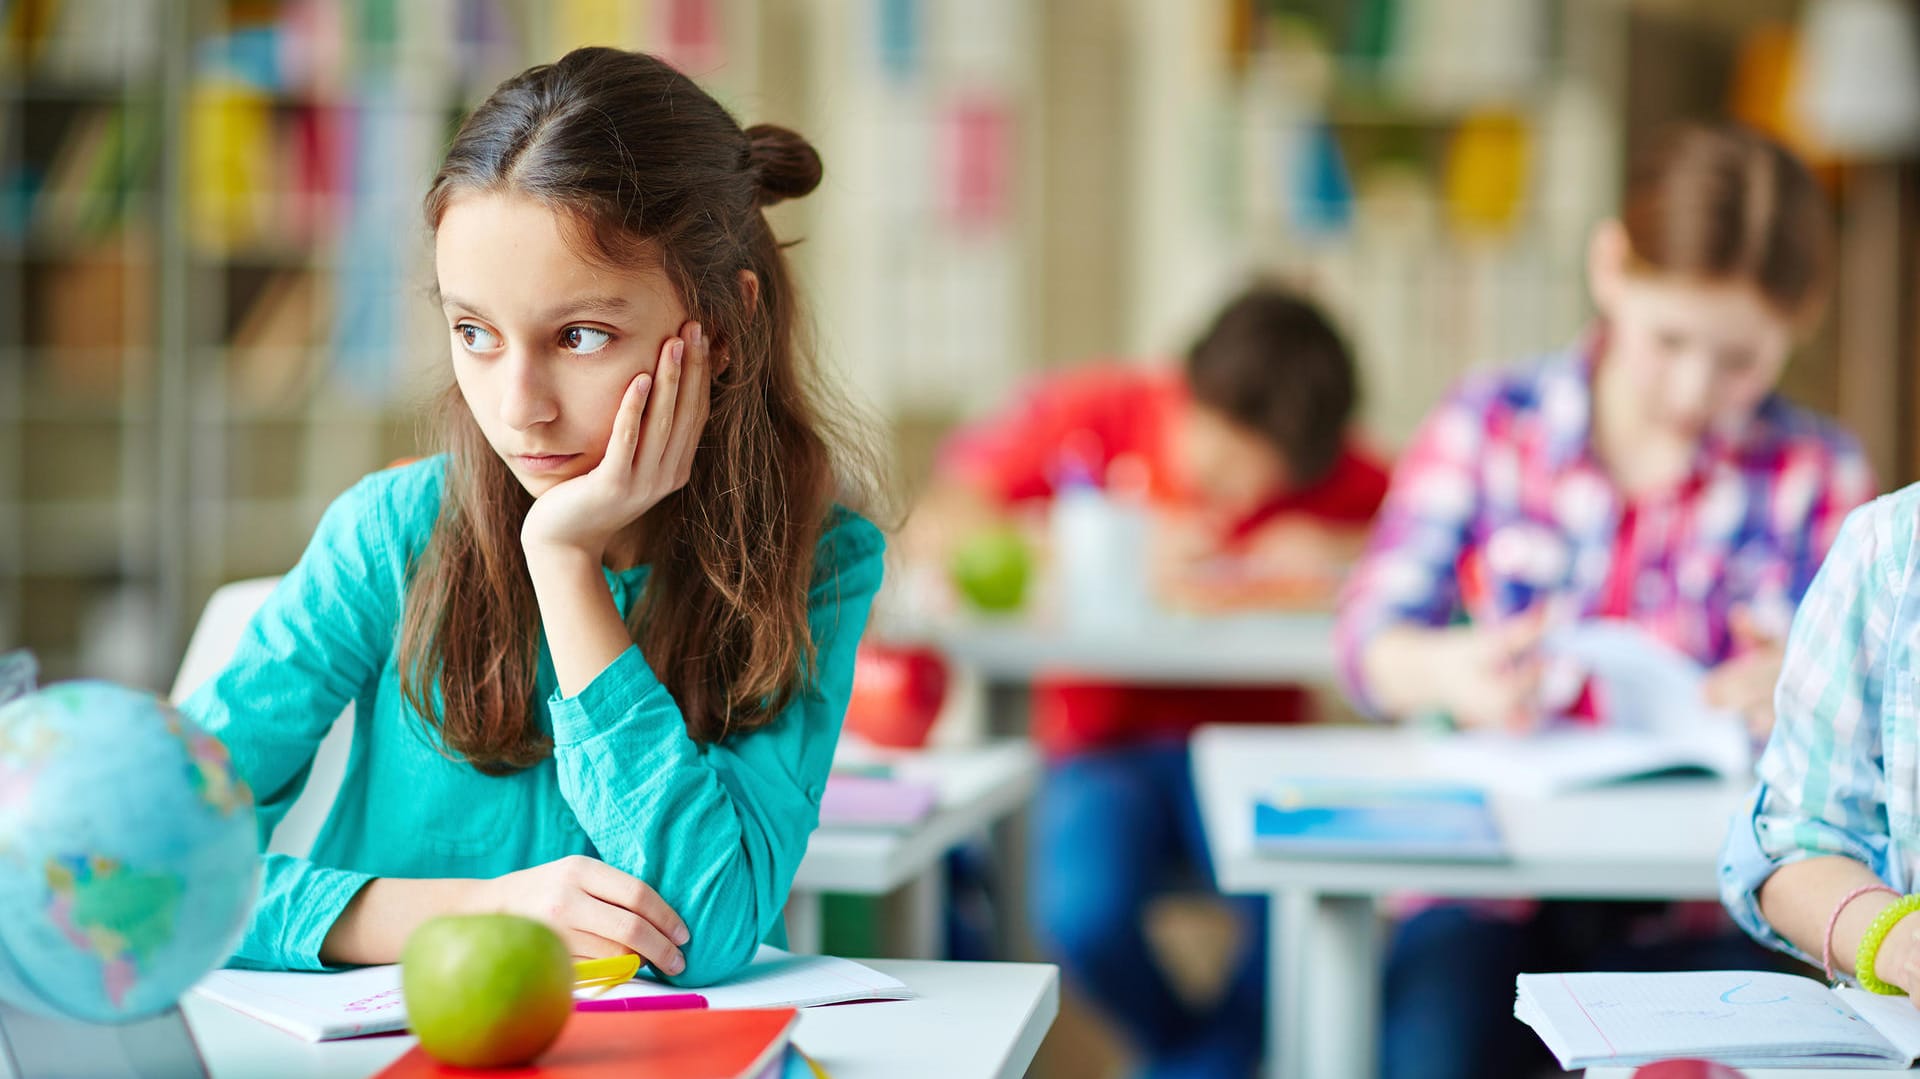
<point>1742,1018</point>
<point>321,1007</point>
<point>1658,721</point>
<point>1649,685</point>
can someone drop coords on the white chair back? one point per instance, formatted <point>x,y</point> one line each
<point>214,640</point>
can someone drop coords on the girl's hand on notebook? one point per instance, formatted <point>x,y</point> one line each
<point>598,910</point>
<point>649,454</point>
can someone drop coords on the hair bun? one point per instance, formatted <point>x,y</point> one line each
<point>784,164</point>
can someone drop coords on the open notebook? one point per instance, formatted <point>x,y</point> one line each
<point>321,1007</point>
<point>1658,722</point>
<point>1745,1019</point>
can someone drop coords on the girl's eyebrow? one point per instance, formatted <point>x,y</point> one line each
<point>602,305</point>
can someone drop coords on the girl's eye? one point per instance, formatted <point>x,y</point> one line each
<point>476,339</point>
<point>584,340</point>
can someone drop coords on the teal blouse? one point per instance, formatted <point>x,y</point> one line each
<point>717,830</point>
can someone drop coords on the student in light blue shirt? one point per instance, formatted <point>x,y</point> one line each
<point>1830,842</point>
<point>599,651</point>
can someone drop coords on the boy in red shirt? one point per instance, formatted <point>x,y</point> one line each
<point>1247,449</point>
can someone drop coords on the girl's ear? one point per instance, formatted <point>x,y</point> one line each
<point>1609,254</point>
<point>750,291</point>
<point>750,298</point>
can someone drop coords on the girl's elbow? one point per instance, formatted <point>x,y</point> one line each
<point>715,951</point>
<point>710,964</point>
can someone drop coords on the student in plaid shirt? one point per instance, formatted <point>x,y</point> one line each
<point>1648,473</point>
<point>1829,842</point>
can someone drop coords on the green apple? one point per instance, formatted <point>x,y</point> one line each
<point>991,568</point>
<point>486,990</point>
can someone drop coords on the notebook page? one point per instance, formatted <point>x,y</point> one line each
<point>316,1007</point>
<point>778,979</point>
<point>1735,1016</point>
<point>1895,1018</point>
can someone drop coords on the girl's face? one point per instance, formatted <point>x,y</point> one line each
<point>1694,355</point>
<point>544,341</point>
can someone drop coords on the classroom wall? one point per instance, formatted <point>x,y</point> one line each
<point>212,319</point>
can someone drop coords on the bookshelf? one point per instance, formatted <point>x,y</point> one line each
<point>1432,179</point>
<point>79,147</point>
<point>213,313</point>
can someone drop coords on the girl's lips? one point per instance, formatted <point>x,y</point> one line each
<point>545,462</point>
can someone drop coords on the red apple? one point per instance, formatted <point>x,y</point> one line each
<point>897,694</point>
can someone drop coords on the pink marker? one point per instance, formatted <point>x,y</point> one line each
<point>667,1002</point>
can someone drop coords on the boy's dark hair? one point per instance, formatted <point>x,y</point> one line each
<point>1272,363</point>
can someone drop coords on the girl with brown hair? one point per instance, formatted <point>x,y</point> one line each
<point>1648,473</point>
<point>599,650</point>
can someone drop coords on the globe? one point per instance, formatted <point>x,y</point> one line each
<point>129,860</point>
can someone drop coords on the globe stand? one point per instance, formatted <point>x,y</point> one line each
<point>34,1046</point>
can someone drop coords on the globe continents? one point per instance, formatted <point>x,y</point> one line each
<point>128,854</point>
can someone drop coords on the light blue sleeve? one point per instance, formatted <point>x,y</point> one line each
<point>318,643</point>
<point>717,830</point>
<point>1822,782</point>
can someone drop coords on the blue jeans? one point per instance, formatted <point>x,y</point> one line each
<point>1447,1004</point>
<point>1111,829</point>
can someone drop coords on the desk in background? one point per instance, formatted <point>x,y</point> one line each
<point>1655,839</point>
<point>979,787</point>
<point>1224,650</point>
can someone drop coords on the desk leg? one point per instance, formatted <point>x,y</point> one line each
<point>1323,996</point>
<point>803,922</point>
<point>1288,983</point>
<point>926,904</point>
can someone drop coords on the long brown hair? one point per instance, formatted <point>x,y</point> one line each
<point>1726,203</point>
<point>646,168</point>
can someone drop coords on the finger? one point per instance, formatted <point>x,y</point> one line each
<point>626,928</point>
<point>1522,696</point>
<point>658,430</point>
<point>1523,632</point>
<point>628,892</point>
<point>695,399</point>
<point>1717,688</point>
<point>1746,630</point>
<point>1740,683</point>
<point>584,945</point>
<point>626,425</point>
<point>696,373</point>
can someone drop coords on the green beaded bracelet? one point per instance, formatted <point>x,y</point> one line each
<point>1877,935</point>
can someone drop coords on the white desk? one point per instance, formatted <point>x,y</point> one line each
<point>971,1021</point>
<point>1227,650</point>
<point>978,787</point>
<point>1647,840</point>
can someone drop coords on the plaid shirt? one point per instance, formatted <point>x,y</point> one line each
<point>1500,503</point>
<point>1841,774</point>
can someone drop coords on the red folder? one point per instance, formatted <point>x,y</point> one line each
<point>684,1044</point>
